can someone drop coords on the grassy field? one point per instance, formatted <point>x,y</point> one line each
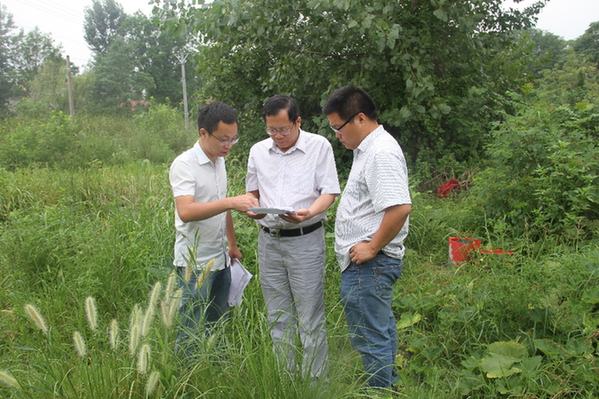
<point>86,290</point>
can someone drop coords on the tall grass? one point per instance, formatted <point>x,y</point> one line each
<point>89,250</point>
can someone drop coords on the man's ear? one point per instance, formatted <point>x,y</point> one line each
<point>361,118</point>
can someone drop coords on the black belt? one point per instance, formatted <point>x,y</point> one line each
<point>292,232</point>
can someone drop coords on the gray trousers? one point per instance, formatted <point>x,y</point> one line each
<point>292,279</point>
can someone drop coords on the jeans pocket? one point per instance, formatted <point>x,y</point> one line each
<point>384,278</point>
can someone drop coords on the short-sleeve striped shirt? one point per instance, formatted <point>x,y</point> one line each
<point>378,180</point>
<point>295,178</point>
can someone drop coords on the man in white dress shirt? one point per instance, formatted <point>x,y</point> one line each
<point>370,227</point>
<point>296,169</point>
<point>204,228</point>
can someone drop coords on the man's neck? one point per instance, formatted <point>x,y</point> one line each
<point>210,157</point>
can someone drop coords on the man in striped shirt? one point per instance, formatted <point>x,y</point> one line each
<point>293,169</point>
<point>370,227</point>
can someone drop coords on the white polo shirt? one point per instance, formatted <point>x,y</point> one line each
<point>295,178</point>
<point>192,173</point>
<point>378,180</point>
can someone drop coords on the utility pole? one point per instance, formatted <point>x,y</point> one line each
<point>182,57</point>
<point>70,88</point>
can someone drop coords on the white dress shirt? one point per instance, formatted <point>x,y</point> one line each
<point>295,178</point>
<point>192,173</point>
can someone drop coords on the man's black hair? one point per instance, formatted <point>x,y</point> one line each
<point>211,114</point>
<point>278,102</point>
<point>350,100</point>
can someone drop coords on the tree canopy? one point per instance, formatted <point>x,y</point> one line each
<point>133,59</point>
<point>21,56</point>
<point>438,69</point>
<point>102,22</point>
<point>588,43</point>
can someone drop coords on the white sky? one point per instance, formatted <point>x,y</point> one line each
<point>63,19</point>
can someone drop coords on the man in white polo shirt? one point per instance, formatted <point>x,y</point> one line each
<point>294,169</point>
<point>370,227</point>
<point>204,227</point>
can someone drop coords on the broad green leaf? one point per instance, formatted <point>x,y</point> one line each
<point>509,349</point>
<point>591,296</point>
<point>498,366</point>
<point>408,319</point>
<point>441,14</point>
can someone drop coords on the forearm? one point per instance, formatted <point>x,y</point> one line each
<point>321,204</point>
<point>393,220</point>
<point>231,231</point>
<point>193,211</point>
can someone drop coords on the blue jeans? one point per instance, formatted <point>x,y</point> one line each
<point>201,310</point>
<point>367,294</point>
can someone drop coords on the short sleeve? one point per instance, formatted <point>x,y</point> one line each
<point>181,178</point>
<point>387,179</point>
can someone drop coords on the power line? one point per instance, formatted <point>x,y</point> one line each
<point>61,13</point>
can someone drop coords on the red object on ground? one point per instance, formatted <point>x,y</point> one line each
<point>496,251</point>
<point>447,187</point>
<point>460,248</point>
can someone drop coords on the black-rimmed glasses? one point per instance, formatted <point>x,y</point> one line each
<point>336,129</point>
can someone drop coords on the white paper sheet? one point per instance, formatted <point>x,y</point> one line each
<point>276,210</point>
<point>240,277</point>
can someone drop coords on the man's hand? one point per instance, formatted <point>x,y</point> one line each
<point>361,253</point>
<point>234,253</point>
<point>298,216</point>
<point>241,203</point>
<point>255,216</point>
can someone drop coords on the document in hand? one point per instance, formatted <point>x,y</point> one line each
<point>240,277</point>
<point>278,210</point>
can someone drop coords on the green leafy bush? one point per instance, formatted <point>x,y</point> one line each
<point>543,172</point>
<point>160,133</point>
<point>157,135</point>
<point>45,142</point>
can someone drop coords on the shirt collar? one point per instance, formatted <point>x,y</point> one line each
<point>200,154</point>
<point>300,144</point>
<point>368,140</point>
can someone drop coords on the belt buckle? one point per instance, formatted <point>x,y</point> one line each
<point>274,232</point>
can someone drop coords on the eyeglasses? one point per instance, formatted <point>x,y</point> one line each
<point>282,131</point>
<point>336,129</point>
<point>225,143</point>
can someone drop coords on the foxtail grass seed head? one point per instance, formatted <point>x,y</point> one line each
<point>205,273</point>
<point>135,316</point>
<point>170,286</point>
<point>154,294</point>
<point>174,306</point>
<point>169,308</point>
<point>147,321</point>
<point>8,380</point>
<point>91,312</point>
<point>134,336</point>
<point>36,318</point>
<point>164,312</point>
<point>79,344</point>
<point>143,359</point>
<point>211,342</point>
<point>152,383</point>
<point>113,332</point>
<point>188,271</point>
